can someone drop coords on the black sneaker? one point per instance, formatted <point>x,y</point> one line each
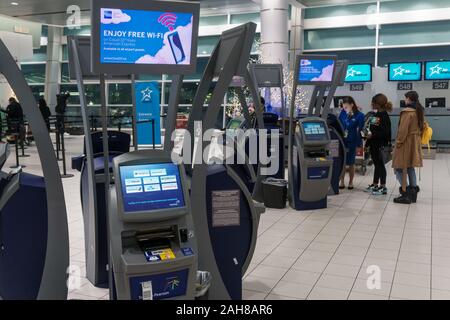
<point>403,199</point>
<point>370,188</point>
<point>380,191</point>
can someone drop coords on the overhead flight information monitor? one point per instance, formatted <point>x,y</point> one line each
<point>316,70</point>
<point>145,36</point>
<point>405,71</point>
<point>151,187</point>
<point>437,70</point>
<point>359,73</point>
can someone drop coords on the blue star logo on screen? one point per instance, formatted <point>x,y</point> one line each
<point>399,71</point>
<point>147,95</point>
<point>436,70</point>
<point>351,72</point>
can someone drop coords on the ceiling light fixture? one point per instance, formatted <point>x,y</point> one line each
<point>14,3</point>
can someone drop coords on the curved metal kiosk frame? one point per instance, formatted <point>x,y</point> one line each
<point>54,277</point>
<point>229,59</point>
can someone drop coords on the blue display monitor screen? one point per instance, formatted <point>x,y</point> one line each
<point>145,37</point>
<point>151,187</point>
<point>437,70</point>
<point>316,70</point>
<point>407,71</point>
<point>359,73</point>
<point>315,131</point>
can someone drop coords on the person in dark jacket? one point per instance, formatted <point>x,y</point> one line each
<point>378,137</point>
<point>45,111</point>
<point>14,114</point>
<point>352,121</point>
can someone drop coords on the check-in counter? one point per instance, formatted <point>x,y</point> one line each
<point>438,119</point>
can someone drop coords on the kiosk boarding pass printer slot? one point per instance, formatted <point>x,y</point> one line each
<point>153,248</point>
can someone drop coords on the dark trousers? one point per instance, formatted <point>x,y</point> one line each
<point>380,170</point>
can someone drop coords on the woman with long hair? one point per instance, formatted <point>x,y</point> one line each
<point>352,121</point>
<point>408,148</point>
<point>378,137</point>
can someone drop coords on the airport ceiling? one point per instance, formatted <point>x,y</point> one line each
<point>54,11</point>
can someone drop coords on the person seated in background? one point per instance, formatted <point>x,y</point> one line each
<point>353,122</point>
<point>45,111</point>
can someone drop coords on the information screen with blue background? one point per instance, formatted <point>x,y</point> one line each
<point>408,71</point>
<point>151,187</point>
<point>359,73</point>
<point>437,70</point>
<point>315,131</point>
<point>145,37</point>
<point>316,70</point>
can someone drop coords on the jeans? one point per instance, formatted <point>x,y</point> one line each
<point>411,176</point>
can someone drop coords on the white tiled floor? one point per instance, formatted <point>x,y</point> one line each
<point>325,254</point>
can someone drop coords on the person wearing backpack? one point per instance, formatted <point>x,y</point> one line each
<point>408,148</point>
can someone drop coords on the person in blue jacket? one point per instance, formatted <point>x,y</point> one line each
<point>353,123</point>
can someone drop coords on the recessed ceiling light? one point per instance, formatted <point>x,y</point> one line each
<point>14,3</point>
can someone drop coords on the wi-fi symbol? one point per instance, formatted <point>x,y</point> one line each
<point>168,20</point>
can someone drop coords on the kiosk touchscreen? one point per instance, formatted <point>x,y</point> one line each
<point>153,250</point>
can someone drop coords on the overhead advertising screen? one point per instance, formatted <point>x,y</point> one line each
<point>437,70</point>
<point>406,71</point>
<point>151,187</point>
<point>145,36</point>
<point>359,73</point>
<point>314,70</point>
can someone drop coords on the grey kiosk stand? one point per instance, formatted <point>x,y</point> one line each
<point>128,268</point>
<point>224,250</point>
<point>310,166</point>
<point>271,76</point>
<point>92,179</point>
<point>50,278</point>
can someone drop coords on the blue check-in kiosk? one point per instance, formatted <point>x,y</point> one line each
<point>153,245</point>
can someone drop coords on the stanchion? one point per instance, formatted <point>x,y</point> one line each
<point>16,143</point>
<point>63,151</point>
<point>22,147</point>
<point>58,142</point>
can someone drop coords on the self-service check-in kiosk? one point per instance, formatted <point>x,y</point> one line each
<point>225,215</point>
<point>148,254</point>
<point>337,146</point>
<point>310,164</point>
<point>153,250</point>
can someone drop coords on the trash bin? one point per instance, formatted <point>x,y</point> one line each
<point>275,193</point>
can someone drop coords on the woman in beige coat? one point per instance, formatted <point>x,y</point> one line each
<point>408,149</point>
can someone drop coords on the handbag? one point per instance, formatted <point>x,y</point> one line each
<point>386,153</point>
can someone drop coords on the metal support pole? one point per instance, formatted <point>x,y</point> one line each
<point>63,151</point>
<point>134,113</point>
